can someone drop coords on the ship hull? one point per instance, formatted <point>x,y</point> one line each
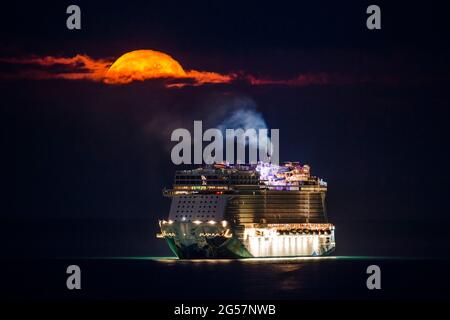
<point>188,240</point>
<point>233,250</point>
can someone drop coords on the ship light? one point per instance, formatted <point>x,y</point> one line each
<point>164,222</point>
<point>170,221</point>
<point>197,222</point>
<point>227,234</point>
<point>224,223</point>
<point>211,222</point>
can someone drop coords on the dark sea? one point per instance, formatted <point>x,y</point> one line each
<point>168,278</point>
<point>116,262</point>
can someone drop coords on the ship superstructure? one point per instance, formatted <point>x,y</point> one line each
<point>239,211</point>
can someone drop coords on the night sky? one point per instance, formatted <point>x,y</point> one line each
<point>79,155</point>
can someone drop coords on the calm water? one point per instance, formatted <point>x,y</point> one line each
<point>169,278</point>
<point>122,259</point>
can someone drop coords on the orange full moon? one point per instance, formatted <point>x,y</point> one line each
<point>140,65</point>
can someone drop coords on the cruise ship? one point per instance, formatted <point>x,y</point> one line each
<point>244,211</point>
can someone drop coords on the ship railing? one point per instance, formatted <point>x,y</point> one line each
<point>295,187</point>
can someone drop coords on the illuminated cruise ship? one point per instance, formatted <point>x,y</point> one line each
<point>242,211</point>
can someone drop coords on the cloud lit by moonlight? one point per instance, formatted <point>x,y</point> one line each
<point>138,65</point>
<point>142,65</point>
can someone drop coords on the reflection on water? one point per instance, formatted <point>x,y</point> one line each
<point>252,277</point>
<point>276,259</point>
<point>329,277</point>
<point>246,260</point>
<point>334,277</point>
<point>283,277</point>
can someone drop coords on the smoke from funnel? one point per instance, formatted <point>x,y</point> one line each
<point>222,112</point>
<point>241,113</point>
